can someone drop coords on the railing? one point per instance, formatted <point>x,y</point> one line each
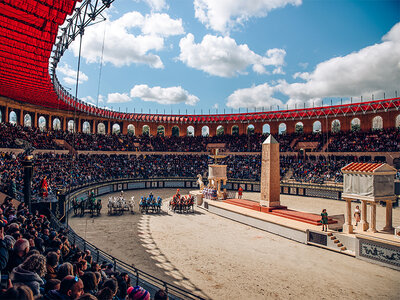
<point>139,277</point>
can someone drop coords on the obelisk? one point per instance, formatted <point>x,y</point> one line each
<point>270,174</point>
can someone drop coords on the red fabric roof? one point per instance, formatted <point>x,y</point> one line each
<point>28,29</point>
<point>362,167</point>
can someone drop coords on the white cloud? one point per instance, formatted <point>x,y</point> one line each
<point>255,96</point>
<point>122,47</point>
<point>162,25</point>
<point>156,5</point>
<point>221,56</point>
<point>303,65</point>
<point>118,98</point>
<point>171,95</point>
<point>224,15</point>
<point>92,100</point>
<point>371,70</point>
<point>70,75</point>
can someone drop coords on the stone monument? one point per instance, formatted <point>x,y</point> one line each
<point>217,174</point>
<point>270,175</point>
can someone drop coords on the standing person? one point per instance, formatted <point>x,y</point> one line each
<point>357,214</point>
<point>240,192</point>
<point>324,220</point>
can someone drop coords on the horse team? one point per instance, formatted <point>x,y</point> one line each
<point>118,205</point>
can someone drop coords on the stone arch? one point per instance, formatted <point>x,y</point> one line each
<point>27,120</point>
<point>250,129</point>
<point>316,127</point>
<point>42,123</point>
<point>131,129</point>
<point>101,128</point>
<point>355,124</point>
<point>397,122</point>
<point>56,124</point>
<point>266,129</point>
<point>146,130</point>
<point>86,127</point>
<point>13,118</point>
<point>282,128</point>
<point>71,126</point>
<point>335,126</point>
<point>205,131</point>
<point>235,130</point>
<point>299,128</point>
<point>116,129</point>
<point>190,131</point>
<point>220,130</point>
<point>175,131</point>
<point>377,123</point>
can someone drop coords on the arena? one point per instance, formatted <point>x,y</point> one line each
<point>73,170</point>
<point>217,258</point>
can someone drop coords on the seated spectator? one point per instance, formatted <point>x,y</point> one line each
<point>138,293</point>
<point>109,270</point>
<point>51,284</point>
<point>123,284</point>
<point>161,295</point>
<point>51,265</point>
<point>17,256</point>
<point>90,283</point>
<point>17,292</point>
<point>87,296</point>
<point>71,288</point>
<point>64,270</point>
<point>112,285</point>
<point>105,294</point>
<point>30,273</point>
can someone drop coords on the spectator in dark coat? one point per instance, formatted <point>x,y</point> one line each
<point>17,256</point>
<point>30,273</point>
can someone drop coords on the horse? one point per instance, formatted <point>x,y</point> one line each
<point>131,204</point>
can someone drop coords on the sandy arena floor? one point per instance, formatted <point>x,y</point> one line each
<point>221,259</point>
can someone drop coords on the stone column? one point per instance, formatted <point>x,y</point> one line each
<point>364,224</point>
<point>388,226</point>
<point>373,217</point>
<point>7,114</point>
<point>348,227</point>
<point>270,174</point>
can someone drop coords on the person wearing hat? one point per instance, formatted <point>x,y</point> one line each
<point>138,293</point>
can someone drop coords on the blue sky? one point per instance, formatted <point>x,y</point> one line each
<point>226,55</point>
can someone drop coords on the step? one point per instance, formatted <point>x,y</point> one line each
<point>332,237</point>
<point>343,248</point>
<point>336,241</point>
<point>340,245</point>
<point>330,233</point>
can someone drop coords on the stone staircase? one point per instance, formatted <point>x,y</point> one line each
<point>336,241</point>
<point>325,146</point>
<point>66,146</point>
<point>293,143</point>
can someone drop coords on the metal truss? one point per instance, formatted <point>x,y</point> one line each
<point>84,15</point>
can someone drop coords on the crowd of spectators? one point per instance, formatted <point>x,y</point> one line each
<point>386,140</point>
<point>9,134</point>
<point>65,170</point>
<point>39,262</point>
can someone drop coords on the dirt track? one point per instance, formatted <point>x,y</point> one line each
<point>221,259</point>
